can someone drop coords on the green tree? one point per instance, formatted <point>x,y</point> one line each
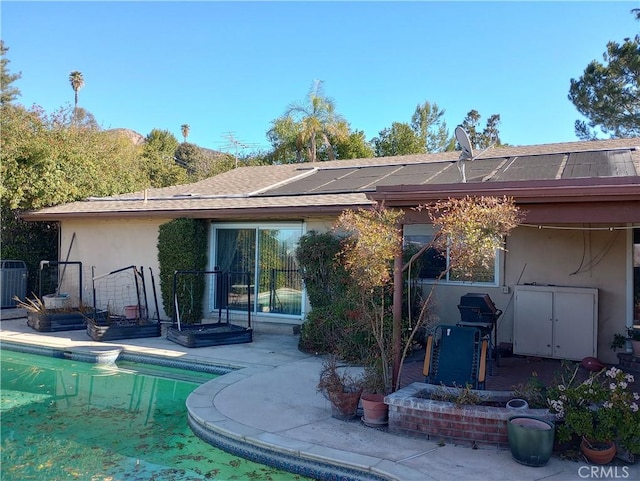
<point>158,159</point>
<point>427,132</point>
<point>354,146</point>
<point>399,139</point>
<point>8,92</point>
<point>84,118</point>
<point>185,129</point>
<point>283,136</point>
<point>490,135</point>
<point>608,92</point>
<point>315,121</point>
<point>77,82</point>
<point>44,162</point>
<point>202,163</point>
<point>428,123</point>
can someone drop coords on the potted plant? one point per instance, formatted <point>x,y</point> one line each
<point>375,412</point>
<point>632,334</point>
<point>601,410</point>
<point>375,240</point>
<point>341,388</point>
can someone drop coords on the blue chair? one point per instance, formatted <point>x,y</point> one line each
<point>478,310</point>
<point>456,356</point>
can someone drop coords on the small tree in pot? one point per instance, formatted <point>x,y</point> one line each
<point>375,240</point>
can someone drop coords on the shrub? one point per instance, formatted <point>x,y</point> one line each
<point>182,245</point>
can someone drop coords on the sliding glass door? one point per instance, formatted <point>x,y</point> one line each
<point>267,253</point>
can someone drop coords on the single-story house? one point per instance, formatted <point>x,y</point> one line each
<point>566,282</point>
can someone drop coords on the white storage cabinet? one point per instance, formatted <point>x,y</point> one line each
<point>556,322</point>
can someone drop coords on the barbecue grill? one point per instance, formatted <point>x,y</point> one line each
<point>478,310</point>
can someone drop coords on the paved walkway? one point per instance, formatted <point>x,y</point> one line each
<point>270,405</point>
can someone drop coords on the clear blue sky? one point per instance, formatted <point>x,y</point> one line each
<point>233,67</point>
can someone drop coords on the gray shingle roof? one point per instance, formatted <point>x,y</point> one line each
<point>301,189</point>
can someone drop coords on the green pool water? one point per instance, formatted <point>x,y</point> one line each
<point>68,420</point>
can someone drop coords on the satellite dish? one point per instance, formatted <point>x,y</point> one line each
<point>465,143</point>
<point>467,150</point>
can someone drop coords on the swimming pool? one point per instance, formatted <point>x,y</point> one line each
<point>64,419</point>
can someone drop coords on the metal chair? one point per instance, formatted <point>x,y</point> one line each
<point>456,356</point>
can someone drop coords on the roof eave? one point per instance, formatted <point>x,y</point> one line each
<point>218,214</point>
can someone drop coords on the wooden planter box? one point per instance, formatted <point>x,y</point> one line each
<point>63,320</point>
<point>120,328</point>
<point>203,335</point>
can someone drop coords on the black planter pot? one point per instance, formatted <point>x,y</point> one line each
<point>52,321</point>
<point>530,440</point>
<point>202,335</point>
<point>121,329</point>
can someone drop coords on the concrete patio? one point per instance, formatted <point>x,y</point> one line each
<point>270,405</point>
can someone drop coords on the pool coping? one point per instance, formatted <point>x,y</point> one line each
<point>298,457</point>
<point>91,354</point>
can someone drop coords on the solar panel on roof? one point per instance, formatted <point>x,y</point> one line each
<point>359,179</point>
<point>611,163</point>
<point>416,174</point>
<point>529,167</point>
<point>477,170</point>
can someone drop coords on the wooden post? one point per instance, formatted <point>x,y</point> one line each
<point>397,316</point>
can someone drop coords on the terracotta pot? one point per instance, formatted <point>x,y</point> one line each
<point>598,452</point>
<point>376,412</point>
<point>344,405</point>
<point>635,345</point>
<point>132,312</point>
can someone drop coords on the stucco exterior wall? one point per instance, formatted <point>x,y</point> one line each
<point>575,258</point>
<point>110,244</point>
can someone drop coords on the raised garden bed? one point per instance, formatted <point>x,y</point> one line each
<point>203,335</point>
<point>413,413</point>
<point>120,328</point>
<point>55,320</point>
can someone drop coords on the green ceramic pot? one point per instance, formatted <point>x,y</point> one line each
<point>530,440</point>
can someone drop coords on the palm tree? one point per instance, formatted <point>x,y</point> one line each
<point>185,131</point>
<point>317,121</point>
<point>77,82</point>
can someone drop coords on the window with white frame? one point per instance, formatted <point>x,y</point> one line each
<point>435,262</point>
<point>267,253</point>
